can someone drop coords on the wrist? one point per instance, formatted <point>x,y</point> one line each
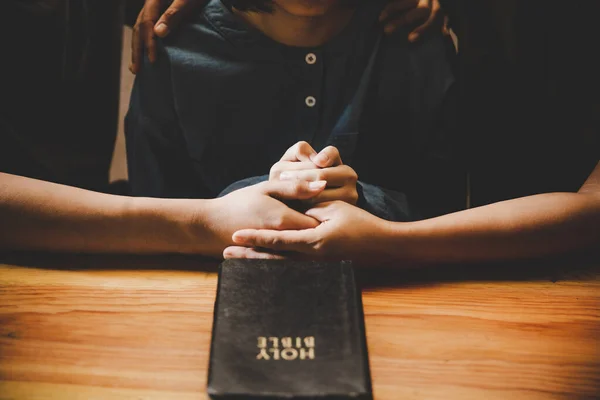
<point>394,241</point>
<point>168,225</point>
<point>210,224</point>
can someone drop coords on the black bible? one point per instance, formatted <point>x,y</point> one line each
<point>288,330</point>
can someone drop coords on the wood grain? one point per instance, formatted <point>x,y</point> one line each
<point>74,327</point>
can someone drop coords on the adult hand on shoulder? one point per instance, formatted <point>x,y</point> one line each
<point>302,163</point>
<point>150,22</point>
<point>345,232</point>
<point>259,207</point>
<point>420,14</point>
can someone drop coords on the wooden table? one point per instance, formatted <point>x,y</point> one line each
<point>91,327</point>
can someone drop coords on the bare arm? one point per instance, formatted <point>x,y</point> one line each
<point>592,184</point>
<point>38,215</point>
<point>532,226</point>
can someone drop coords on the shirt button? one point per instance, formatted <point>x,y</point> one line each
<point>311,58</point>
<point>311,101</point>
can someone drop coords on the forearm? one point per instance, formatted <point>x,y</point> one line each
<point>533,226</point>
<point>39,215</point>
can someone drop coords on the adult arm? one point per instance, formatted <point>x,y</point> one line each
<point>39,215</point>
<point>533,226</point>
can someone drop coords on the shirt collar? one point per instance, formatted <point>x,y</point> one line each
<point>239,33</point>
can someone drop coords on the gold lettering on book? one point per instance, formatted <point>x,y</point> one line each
<point>307,353</point>
<point>275,353</point>
<point>289,354</point>
<point>262,342</point>
<point>286,348</point>
<point>263,355</point>
<point>286,342</point>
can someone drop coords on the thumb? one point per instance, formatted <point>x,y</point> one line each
<point>322,211</point>
<point>291,220</point>
<point>172,17</point>
<point>301,151</point>
<point>293,190</point>
<point>298,240</point>
<point>328,157</point>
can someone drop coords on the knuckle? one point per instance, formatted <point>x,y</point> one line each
<point>278,222</point>
<point>171,12</point>
<point>276,170</point>
<point>298,189</point>
<point>333,154</point>
<point>298,186</point>
<point>262,187</point>
<point>350,173</point>
<point>244,253</point>
<point>333,150</point>
<point>275,242</point>
<point>146,23</point>
<point>302,147</point>
<point>336,206</point>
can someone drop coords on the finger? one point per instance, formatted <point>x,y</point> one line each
<point>151,15</point>
<point>301,151</point>
<point>346,194</point>
<point>328,157</point>
<point>136,48</point>
<point>172,17</point>
<point>335,176</point>
<point>409,18</point>
<point>285,218</point>
<point>298,241</point>
<point>322,212</point>
<point>292,190</point>
<point>282,167</point>
<point>261,254</point>
<point>396,6</point>
<point>310,175</point>
<point>249,253</point>
<point>435,19</point>
<point>446,26</point>
<point>150,43</point>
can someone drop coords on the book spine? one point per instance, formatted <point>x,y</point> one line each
<point>363,331</point>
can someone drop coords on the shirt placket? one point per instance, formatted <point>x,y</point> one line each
<point>310,96</point>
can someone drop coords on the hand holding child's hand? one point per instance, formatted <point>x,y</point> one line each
<point>345,232</point>
<point>302,162</point>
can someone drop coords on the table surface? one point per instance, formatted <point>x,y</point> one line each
<point>99,327</point>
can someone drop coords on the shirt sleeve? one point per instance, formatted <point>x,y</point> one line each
<point>157,157</point>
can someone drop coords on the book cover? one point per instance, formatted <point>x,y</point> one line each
<point>288,329</point>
